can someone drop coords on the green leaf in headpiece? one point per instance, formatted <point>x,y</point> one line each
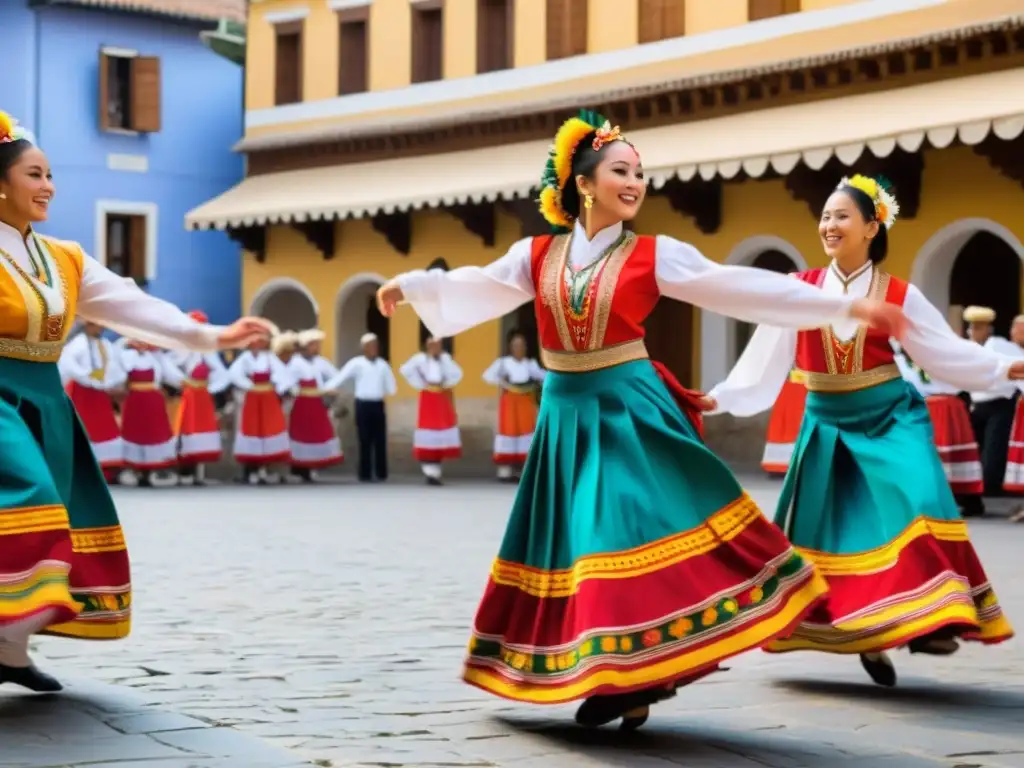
<point>593,118</point>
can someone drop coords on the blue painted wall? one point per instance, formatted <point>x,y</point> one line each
<point>52,87</point>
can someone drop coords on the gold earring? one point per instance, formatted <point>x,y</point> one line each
<point>588,201</point>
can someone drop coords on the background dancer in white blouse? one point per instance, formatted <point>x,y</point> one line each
<point>992,407</point>
<point>314,441</point>
<point>149,442</point>
<point>91,365</point>
<point>517,377</point>
<point>433,373</point>
<point>309,344</point>
<point>374,381</point>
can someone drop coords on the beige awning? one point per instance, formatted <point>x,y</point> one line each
<point>967,109</point>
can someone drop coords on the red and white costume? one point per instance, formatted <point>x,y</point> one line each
<point>313,439</point>
<point>517,410</point>
<point>784,427</point>
<point>951,424</point>
<point>262,434</point>
<point>149,442</point>
<point>1013,481</point>
<point>90,369</point>
<point>196,426</point>
<point>437,436</point>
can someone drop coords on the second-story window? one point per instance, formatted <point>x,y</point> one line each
<point>567,28</point>
<point>766,9</point>
<point>353,54</point>
<point>288,63</point>
<point>495,31</point>
<point>661,20</point>
<point>129,88</point>
<point>126,245</point>
<point>427,41</point>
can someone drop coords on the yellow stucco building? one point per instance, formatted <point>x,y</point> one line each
<point>387,135</point>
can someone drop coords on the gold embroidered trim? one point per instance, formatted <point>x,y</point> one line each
<point>142,386</point>
<point>608,281</point>
<point>519,389</point>
<point>551,275</point>
<point>846,382</point>
<point>32,351</point>
<point>310,392</point>
<point>593,360</point>
<point>877,291</point>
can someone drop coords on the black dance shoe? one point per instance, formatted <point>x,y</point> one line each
<point>634,719</point>
<point>601,710</point>
<point>878,666</point>
<point>30,677</point>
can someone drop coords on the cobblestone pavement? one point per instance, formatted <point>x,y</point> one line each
<point>331,622</point>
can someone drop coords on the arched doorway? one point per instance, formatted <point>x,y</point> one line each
<point>448,343</point>
<point>721,338</point>
<point>286,303</point>
<point>356,313</point>
<point>972,261</point>
<point>773,260</point>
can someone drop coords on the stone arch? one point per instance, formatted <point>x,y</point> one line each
<point>939,261</point>
<point>355,313</point>
<point>719,333</point>
<point>287,303</point>
<point>448,343</point>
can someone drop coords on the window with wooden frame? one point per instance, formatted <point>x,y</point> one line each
<point>427,41</point>
<point>495,32</point>
<point>661,20</point>
<point>566,28</point>
<point>126,241</point>
<point>129,88</point>
<point>353,50</point>
<point>767,9</point>
<point>288,63</point>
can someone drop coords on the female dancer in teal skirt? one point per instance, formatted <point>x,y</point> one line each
<point>866,498</point>
<point>633,560</point>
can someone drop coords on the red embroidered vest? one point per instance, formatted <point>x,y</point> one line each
<point>820,354</point>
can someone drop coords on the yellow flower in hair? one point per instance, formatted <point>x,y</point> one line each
<point>7,124</point>
<point>868,186</point>
<point>551,207</point>
<point>886,207</point>
<point>567,139</point>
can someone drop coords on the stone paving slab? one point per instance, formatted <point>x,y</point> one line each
<point>331,622</point>
<point>97,724</point>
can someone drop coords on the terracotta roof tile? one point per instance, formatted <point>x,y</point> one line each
<point>205,10</point>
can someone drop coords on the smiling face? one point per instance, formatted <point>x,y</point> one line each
<point>618,185</point>
<point>845,232</point>
<point>28,189</point>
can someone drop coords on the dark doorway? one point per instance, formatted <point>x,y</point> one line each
<point>987,272</point>
<point>669,336</point>
<point>377,324</point>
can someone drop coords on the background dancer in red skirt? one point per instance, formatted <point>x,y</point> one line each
<point>1013,481</point>
<point>433,372</point>
<point>517,377</point>
<point>784,426</point>
<point>261,436</point>
<point>90,364</point>
<point>203,375</point>
<point>149,444</point>
<point>313,438</point>
<point>954,436</point>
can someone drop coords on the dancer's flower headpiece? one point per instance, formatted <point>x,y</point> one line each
<point>886,207</point>
<point>10,131</point>
<point>558,169</point>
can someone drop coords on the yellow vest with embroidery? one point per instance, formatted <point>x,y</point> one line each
<point>28,330</point>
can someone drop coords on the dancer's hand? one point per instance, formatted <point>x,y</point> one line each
<point>244,332</point>
<point>1017,371</point>
<point>887,318</point>
<point>708,403</point>
<point>389,296</point>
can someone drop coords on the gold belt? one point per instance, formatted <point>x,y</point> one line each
<point>197,383</point>
<point>593,360</point>
<point>142,386</point>
<point>436,389</point>
<point>846,382</point>
<point>310,392</point>
<point>261,388</point>
<point>32,351</point>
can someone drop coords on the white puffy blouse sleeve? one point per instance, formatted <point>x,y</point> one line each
<point>946,357</point>
<point>452,371</point>
<point>113,302</point>
<point>746,293</point>
<point>449,302</point>
<point>755,381</point>
<point>410,370</point>
<point>493,373</point>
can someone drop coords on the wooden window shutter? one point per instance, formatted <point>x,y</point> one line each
<point>353,59</point>
<point>137,246</point>
<point>145,94</point>
<point>673,19</point>
<point>427,42</point>
<point>104,89</point>
<point>288,64</point>
<point>494,31</point>
<point>767,9</point>
<point>563,28</point>
<point>651,20</point>
<point>577,27</point>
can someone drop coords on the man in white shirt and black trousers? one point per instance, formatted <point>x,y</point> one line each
<point>992,410</point>
<point>374,380</point>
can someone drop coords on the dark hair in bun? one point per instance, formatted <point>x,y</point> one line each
<point>10,151</point>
